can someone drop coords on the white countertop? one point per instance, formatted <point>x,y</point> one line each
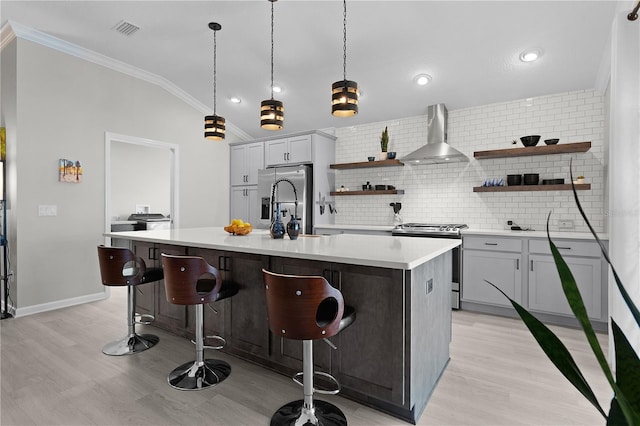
<point>383,228</point>
<point>366,250</point>
<point>534,234</point>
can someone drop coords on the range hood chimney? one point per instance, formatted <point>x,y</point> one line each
<point>437,150</point>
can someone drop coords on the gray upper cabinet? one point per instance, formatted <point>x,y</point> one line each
<point>246,160</point>
<point>292,150</point>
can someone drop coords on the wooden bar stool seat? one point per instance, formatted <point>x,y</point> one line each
<point>306,308</point>
<point>190,280</point>
<point>119,266</point>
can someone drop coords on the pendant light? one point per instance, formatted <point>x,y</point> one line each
<point>214,125</point>
<point>271,110</point>
<point>344,93</point>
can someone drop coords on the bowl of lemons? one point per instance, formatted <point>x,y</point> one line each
<point>238,227</point>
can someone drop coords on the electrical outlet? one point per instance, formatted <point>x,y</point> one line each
<point>44,210</point>
<point>565,224</point>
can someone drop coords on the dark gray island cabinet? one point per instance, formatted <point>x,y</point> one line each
<point>390,358</point>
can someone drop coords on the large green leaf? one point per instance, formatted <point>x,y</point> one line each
<point>616,418</point>
<point>627,373</point>
<point>571,292</point>
<point>556,351</point>
<point>623,292</point>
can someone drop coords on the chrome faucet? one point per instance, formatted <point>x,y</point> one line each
<point>274,188</point>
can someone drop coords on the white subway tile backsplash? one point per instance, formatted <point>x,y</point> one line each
<point>444,192</point>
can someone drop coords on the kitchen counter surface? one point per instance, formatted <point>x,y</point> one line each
<point>534,234</point>
<point>382,228</point>
<point>366,250</point>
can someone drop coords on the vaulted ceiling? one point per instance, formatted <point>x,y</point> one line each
<point>471,50</point>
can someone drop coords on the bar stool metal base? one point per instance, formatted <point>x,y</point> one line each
<point>324,414</point>
<point>131,344</point>
<point>195,375</point>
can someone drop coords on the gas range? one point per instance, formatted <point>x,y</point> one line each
<point>428,230</point>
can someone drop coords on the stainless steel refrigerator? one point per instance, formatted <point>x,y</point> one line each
<point>287,178</point>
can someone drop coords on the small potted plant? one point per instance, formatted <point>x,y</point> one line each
<point>384,143</point>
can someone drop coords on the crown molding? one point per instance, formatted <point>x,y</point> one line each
<point>12,30</point>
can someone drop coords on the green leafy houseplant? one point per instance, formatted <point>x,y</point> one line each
<point>384,140</point>
<point>625,404</point>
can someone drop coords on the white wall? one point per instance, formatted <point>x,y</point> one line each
<point>65,105</point>
<point>624,203</point>
<point>444,192</point>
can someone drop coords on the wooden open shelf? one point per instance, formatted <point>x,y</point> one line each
<point>516,188</point>
<point>372,192</point>
<point>367,164</point>
<point>525,151</point>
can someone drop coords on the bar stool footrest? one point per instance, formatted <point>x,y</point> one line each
<point>324,414</point>
<point>144,319</point>
<point>296,378</point>
<point>131,344</point>
<point>195,376</point>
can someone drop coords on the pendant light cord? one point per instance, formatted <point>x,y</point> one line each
<point>214,71</point>
<point>272,1</point>
<point>344,39</point>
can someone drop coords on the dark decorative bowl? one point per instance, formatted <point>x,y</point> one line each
<point>531,140</point>
<point>551,141</point>
<point>531,178</point>
<point>514,180</point>
<point>391,155</point>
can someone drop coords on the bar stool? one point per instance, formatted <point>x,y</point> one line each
<point>190,280</point>
<point>119,266</point>
<point>306,308</point>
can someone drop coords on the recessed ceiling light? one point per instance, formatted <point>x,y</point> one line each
<point>530,55</point>
<point>422,79</point>
<point>235,100</point>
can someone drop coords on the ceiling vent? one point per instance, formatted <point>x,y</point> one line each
<point>126,28</point>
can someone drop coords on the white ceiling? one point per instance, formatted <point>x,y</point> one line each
<point>470,48</point>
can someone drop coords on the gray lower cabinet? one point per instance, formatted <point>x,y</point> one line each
<point>525,270</point>
<point>497,260</point>
<point>584,261</point>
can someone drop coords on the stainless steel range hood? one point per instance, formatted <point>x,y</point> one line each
<point>437,150</point>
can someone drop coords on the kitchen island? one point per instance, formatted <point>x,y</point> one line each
<point>390,358</point>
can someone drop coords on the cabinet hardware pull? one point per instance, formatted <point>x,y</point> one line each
<point>220,263</point>
<point>227,263</point>
<point>284,156</point>
<point>517,264</point>
<point>532,265</point>
<point>490,244</point>
<point>563,248</point>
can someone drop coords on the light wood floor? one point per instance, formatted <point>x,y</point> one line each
<point>54,373</point>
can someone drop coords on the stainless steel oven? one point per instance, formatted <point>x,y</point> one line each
<point>430,230</point>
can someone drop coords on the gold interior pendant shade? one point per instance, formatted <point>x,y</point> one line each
<point>271,110</point>
<point>271,114</point>
<point>344,93</point>
<point>344,98</point>
<point>214,125</point>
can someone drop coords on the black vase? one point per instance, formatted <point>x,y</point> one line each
<point>277,227</point>
<point>293,228</point>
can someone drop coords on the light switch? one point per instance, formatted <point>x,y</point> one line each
<point>47,210</point>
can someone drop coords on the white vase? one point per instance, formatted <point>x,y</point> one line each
<point>383,155</point>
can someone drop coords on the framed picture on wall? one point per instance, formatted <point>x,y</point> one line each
<point>69,171</point>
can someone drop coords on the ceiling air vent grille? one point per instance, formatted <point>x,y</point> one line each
<point>126,28</point>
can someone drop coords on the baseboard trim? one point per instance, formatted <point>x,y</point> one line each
<point>58,304</point>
